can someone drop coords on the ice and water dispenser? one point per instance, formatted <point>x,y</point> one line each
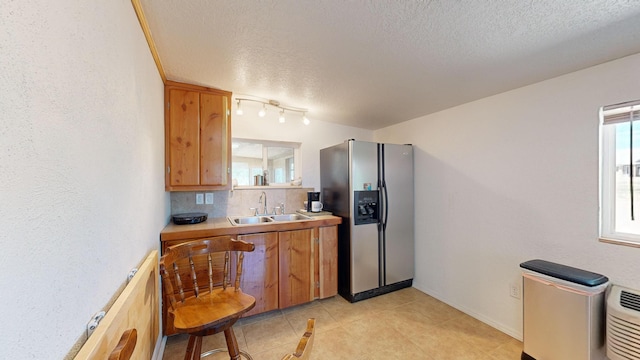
<point>366,207</point>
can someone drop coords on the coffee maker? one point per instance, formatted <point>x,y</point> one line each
<point>311,197</point>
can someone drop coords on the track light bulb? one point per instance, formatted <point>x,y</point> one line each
<point>263,111</point>
<point>305,120</point>
<point>239,109</point>
<point>281,118</point>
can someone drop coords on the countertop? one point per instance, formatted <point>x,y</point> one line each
<point>222,226</point>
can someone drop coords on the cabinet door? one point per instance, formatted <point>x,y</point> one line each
<point>327,261</point>
<point>197,138</point>
<point>183,138</point>
<point>214,140</point>
<point>296,267</point>
<point>260,271</point>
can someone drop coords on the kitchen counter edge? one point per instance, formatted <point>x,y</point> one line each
<point>222,226</point>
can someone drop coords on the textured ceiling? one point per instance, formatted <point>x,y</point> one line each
<point>374,63</point>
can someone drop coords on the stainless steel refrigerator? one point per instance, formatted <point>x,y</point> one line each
<point>370,185</point>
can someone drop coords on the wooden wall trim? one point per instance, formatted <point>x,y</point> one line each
<point>147,34</point>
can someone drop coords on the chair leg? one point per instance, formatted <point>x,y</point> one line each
<point>189,354</point>
<point>198,349</point>
<point>232,344</point>
<point>194,348</point>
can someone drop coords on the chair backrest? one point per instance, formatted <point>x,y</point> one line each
<point>124,348</point>
<point>192,266</point>
<point>303,351</point>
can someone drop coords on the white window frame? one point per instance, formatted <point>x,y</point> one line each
<point>608,159</point>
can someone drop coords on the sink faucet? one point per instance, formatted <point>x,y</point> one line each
<point>264,205</point>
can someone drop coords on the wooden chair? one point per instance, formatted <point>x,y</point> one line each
<point>196,278</point>
<point>303,351</point>
<point>124,348</point>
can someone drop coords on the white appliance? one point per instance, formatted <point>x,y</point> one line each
<point>623,324</point>
<point>370,185</point>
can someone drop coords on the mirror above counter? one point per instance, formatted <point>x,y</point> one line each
<point>265,163</point>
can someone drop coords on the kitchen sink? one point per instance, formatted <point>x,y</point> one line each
<point>265,219</point>
<point>249,220</point>
<point>289,217</point>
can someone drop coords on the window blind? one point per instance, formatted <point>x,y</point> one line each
<point>619,113</point>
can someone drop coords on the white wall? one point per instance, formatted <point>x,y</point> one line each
<point>81,166</point>
<point>315,136</point>
<point>510,178</point>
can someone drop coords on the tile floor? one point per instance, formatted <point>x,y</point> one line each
<point>406,324</point>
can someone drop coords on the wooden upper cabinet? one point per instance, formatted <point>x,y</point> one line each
<point>183,138</point>
<point>197,138</point>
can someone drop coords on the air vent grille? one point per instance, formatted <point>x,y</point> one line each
<point>623,324</point>
<point>630,300</point>
<point>623,338</point>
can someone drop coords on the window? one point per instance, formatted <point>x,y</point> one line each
<point>620,173</point>
<point>278,161</point>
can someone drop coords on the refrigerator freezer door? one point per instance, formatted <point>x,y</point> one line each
<point>365,271</point>
<point>334,177</point>
<point>399,207</point>
<point>364,166</point>
<point>364,258</point>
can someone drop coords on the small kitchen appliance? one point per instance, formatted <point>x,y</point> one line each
<point>311,197</point>
<point>189,218</point>
<point>258,180</point>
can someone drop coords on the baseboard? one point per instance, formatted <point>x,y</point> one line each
<point>158,352</point>
<point>516,334</point>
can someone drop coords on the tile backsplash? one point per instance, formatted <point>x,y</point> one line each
<point>238,202</point>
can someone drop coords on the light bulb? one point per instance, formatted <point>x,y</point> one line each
<point>281,118</point>
<point>305,120</point>
<point>239,109</point>
<point>262,111</point>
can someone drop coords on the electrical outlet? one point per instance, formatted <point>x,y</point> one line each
<point>199,199</point>
<point>208,198</point>
<point>514,290</point>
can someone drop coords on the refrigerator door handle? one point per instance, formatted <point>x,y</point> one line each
<point>380,207</point>
<point>385,205</point>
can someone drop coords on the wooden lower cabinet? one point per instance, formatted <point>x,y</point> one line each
<point>295,251</point>
<point>308,265</point>
<point>327,262</point>
<point>287,268</point>
<point>260,271</point>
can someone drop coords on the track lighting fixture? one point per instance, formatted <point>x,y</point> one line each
<point>276,104</point>
<point>239,109</point>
